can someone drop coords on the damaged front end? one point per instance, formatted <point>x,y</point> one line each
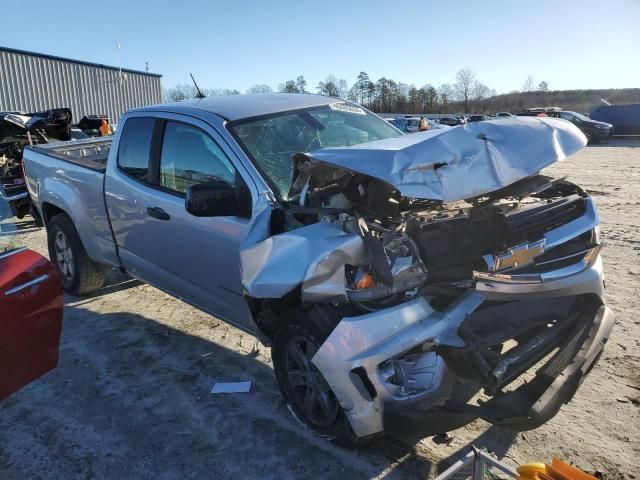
<point>465,283</point>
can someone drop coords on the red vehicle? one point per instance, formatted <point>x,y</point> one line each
<point>31,302</point>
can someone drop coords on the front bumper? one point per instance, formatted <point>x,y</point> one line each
<point>357,356</point>
<point>527,407</point>
<point>603,133</point>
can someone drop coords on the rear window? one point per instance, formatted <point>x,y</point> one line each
<point>135,146</point>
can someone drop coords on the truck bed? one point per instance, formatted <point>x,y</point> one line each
<point>91,153</point>
<point>69,176</point>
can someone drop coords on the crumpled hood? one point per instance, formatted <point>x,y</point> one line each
<point>460,162</point>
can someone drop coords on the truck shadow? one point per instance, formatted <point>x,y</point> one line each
<point>115,281</point>
<point>27,225</point>
<point>133,392</point>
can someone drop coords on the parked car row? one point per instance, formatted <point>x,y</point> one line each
<point>601,124</point>
<point>604,121</point>
<point>594,130</point>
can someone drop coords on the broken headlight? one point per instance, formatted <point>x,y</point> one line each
<point>394,266</point>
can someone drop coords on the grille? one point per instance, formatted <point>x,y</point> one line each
<point>455,247</point>
<point>564,255</point>
<point>532,222</point>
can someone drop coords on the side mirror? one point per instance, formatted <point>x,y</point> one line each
<point>213,199</point>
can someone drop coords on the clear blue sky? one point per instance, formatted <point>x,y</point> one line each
<point>235,44</point>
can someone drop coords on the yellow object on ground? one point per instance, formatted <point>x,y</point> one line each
<point>558,470</point>
<point>532,471</point>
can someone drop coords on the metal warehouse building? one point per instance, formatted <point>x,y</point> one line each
<point>31,82</point>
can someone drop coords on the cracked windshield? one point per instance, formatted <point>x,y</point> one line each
<point>270,142</point>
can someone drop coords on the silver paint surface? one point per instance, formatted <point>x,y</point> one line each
<point>313,256</point>
<point>461,162</point>
<point>368,340</point>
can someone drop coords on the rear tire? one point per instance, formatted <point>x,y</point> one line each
<point>301,382</point>
<point>80,275</point>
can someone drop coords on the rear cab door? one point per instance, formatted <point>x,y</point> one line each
<point>31,305</point>
<point>160,155</point>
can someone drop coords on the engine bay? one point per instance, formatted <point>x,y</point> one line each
<point>431,247</point>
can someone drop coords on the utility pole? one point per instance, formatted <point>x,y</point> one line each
<point>119,65</point>
<point>121,107</point>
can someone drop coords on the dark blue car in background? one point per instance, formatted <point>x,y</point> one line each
<point>624,118</point>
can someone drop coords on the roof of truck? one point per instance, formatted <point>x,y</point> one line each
<point>238,107</point>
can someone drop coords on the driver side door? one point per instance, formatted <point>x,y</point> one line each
<point>194,258</point>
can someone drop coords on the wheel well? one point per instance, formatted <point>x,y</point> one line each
<point>267,312</point>
<point>270,315</point>
<point>49,211</point>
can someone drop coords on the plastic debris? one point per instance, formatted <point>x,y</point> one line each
<point>231,387</point>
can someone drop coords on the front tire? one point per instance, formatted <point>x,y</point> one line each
<point>591,137</point>
<point>306,392</point>
<point>80,275</point>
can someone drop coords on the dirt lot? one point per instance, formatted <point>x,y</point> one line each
<point>130,398</point>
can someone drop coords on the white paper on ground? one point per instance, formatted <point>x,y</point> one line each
<point>231,387</point>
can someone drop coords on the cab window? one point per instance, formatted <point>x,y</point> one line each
<point>135,146</point>
<point>189,156</point>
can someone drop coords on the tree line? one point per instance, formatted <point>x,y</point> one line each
<point>467,94</point>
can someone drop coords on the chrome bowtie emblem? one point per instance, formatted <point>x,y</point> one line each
<point>516,257</point>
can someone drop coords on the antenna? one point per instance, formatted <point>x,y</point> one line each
<point>199,95</point>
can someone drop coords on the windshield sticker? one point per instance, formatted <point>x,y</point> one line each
<point>343,107</point>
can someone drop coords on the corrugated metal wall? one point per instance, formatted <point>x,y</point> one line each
<point>30,83</point>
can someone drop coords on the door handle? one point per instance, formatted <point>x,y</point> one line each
<point>157,212</point>
<point>26,285</point>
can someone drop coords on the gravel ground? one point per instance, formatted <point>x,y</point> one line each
<point>130,398</point>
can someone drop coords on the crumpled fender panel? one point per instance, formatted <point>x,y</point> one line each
<point>367,340</point>
<point>461,162</point>
<point>313,257</point>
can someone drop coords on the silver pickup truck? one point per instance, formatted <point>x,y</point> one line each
<point>405,283</point>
